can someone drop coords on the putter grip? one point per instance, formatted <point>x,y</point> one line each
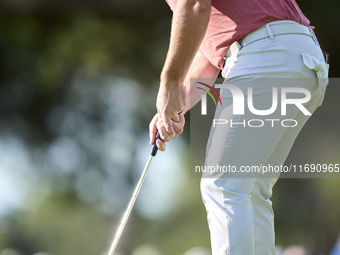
<point>154,146</point>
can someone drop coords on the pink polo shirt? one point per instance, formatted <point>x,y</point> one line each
<point>231,21</point>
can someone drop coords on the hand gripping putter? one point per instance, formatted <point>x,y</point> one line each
<point>134,197</point>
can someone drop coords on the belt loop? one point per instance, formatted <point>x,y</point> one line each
<point>270,32</point>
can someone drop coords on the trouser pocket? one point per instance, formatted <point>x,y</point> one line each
<point>321,69</point>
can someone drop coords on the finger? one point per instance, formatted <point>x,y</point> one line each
<point>181,118</point>
<point>175,117</point>
<point>178,129</point>
<point>161,145</point>
<point>162,131</point>
<point>167,122</point>
<point>179,126</point>
<point>153,129</point>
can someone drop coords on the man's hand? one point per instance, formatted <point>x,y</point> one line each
<point>157,125</point>
<point>171,100</point>
<point>189,23</point>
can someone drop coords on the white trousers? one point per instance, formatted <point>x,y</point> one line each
<point>240,215</point>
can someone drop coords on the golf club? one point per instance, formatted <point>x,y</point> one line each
<point>134,197</point>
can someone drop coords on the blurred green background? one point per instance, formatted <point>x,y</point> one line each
<point>78,85</point>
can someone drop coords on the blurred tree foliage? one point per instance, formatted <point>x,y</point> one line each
<point>60,62</point>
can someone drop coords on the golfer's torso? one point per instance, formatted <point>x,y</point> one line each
<point>231,21</point>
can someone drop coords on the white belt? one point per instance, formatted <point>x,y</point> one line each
<point>275,28</point>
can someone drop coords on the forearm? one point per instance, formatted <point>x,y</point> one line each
<point>189,24</point>
<point>200,68</point>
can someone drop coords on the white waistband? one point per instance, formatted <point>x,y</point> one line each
<point>281,27</point>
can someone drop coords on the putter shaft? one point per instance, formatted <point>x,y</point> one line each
<point>133,199</point>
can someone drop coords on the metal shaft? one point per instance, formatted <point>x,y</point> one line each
<point>130,206</point>
<point>133,199</point>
